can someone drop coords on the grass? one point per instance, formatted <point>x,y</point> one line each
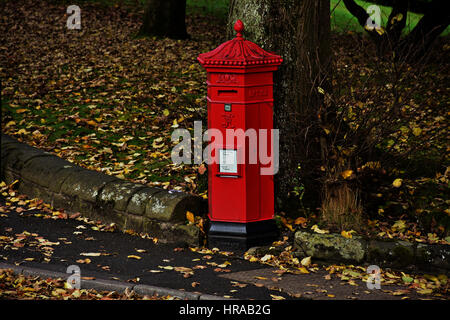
<point>344,21</point>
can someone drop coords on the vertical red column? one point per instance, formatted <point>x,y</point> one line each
<point>240,112</point>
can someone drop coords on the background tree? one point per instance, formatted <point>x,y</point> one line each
<point>414,45</point>
<point>299,31</point>
<point>165,18</point>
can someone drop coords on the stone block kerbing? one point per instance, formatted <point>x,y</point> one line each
<point>15,155</point>
<point>330,247</point>
<point>159,212</point>
<point>138,200</point>
<point>396,253</point>
<point>436,255</point>
<point>86,184</point>
<point>170,206</point>
<point>119,192</point>
<point>43,171</point>
<point>383,252</point>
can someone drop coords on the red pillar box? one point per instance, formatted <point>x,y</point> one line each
<point>240,105</point>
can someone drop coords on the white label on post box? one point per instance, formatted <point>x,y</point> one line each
<point>228,161</point>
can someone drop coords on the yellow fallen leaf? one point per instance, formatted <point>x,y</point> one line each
<point>399,225</point>
<point>274,297</point>
<point>90,254</point>
<point>166,267</point>
<point>303,270</point>
<point>425,291</point>
<point>416,131</point>
<point>316,229</point>
<point>397,182</point>
<point>134,257</point>
<point>346,174</point>
<point>379,30</point>
<point>306,261</point>
<point>347,234</point>
<point>10,123</point>
<point>76,293</point>
<point>158,143</point>
<point>86,261</point>
<point>190,216</point>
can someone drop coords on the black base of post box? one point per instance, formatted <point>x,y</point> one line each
<point>241,236</point>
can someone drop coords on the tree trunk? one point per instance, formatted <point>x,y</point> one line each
<point>435,20</point>
<point>165,18</point>
<point>299,31</point>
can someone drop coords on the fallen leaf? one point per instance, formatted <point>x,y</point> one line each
<point>190,216</point>
<point>134,257</point>
<point>300,220</point>
<point>416,131</point>
<point>84,261</point>
<point>90,254</point>
<point>316,229</point>
<point>347,174</point>
<point>306,261</point>
<point>425,291</point>
<point>397,182</point>
<point>303,270</point>
<point>347,234</point>
<point>166,267</point>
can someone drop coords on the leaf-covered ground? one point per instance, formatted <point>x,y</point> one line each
<point>108,101</point>
<point>99,96</point>
<point>15,286</point>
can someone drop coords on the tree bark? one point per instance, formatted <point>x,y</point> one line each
<point>165,18</point>
<point>299,31</point>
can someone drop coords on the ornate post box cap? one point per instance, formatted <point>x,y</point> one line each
<point>238,52</point>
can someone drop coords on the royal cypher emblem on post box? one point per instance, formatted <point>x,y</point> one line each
<point>240,99</point>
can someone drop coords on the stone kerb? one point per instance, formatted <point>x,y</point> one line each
<point>382,252</point>
<point>129,205</point>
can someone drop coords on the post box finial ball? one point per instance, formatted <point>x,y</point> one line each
<point>239,27</point>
